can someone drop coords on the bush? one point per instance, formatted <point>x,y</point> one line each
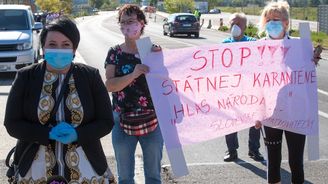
<point>84,13</point>
<point>317,38</point>
<point>109,6</point>
<point>320,38</point>
<point>251,31</point>
<point>308,13</point>
<point>223,28</point>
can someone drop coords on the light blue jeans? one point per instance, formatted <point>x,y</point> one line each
<point>125,147</point>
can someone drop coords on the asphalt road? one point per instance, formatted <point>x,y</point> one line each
<point>205,160</point>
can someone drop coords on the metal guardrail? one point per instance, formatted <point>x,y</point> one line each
<point>323,18</point>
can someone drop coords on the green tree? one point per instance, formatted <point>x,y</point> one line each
<point>237,3</point>
<point>315,3</point>
<point>55,5</point>
<point>96,3</point>
<point>49,5</point>
<point>153,2</point>
<point>221,3</point>
<point>324,1</point>
<point>175,6</point>
<point>212,3</point>
<point>66,6</point>
<point>110,5</point>
<point>138,1</point>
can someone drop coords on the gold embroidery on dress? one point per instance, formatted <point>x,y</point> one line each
<point>72,157</point>
<point>50,160</point>
<point>73,103</point>
<point>102,180</point>
<point>75,175</point>
<point>72,160</point>
<point>23,181</point>
<point>76,116</point>
<point>50,77</point>
<point>85,181</point>
<point>46,102</point>
<point>94,180</point>
<point>40,181</point>
<point>31,181</point>
<point>47,88</point>
<point>74,182</point>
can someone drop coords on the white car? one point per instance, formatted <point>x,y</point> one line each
<point>214,11</point>
<point>19,45</point>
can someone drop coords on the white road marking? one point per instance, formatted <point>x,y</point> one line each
<point>323,92</point>
<point>139,170</point>
<point>230,163</point>
<point>323,114</point>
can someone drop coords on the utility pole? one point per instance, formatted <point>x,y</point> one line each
<point>290,13</point>
<point>304,9</point>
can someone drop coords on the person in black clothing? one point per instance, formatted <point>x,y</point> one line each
<point>64,141</point>
<point>275,22</point>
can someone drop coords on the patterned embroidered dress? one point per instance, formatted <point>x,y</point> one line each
<point>56,158</point>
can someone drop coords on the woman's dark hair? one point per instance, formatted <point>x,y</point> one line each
<point>130,9</point>
<point>65,26</point>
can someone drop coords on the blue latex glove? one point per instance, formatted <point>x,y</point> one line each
<point>55,133</point>
<point>67,135</point>
<point>63,132</point>
<point>52,135</point>
<point>62,125</point>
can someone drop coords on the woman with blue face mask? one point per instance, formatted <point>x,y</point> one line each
<point>58,110</point>
<point>275,22</point>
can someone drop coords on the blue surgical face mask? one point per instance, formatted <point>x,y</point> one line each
<point>58,58</point>
<point>274,28</point>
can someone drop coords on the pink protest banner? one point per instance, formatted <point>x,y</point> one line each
<point>205,92</point>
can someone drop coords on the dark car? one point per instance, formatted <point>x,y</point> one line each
<point>214,11</point>
<point>181,23</point>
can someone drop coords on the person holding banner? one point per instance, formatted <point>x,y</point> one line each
<point>238,24</point>
<point>275,22</point>
<point>133,110</point>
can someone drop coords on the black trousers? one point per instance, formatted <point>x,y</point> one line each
<point>253,140</point>
<point>295,144</point>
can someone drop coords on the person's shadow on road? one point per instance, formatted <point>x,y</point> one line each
<point>285,175</point>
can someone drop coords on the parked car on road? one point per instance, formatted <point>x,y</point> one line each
<point>19,45</point>
<point>181,23</point>
<point>214,11</point>
<point>95,10</point>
